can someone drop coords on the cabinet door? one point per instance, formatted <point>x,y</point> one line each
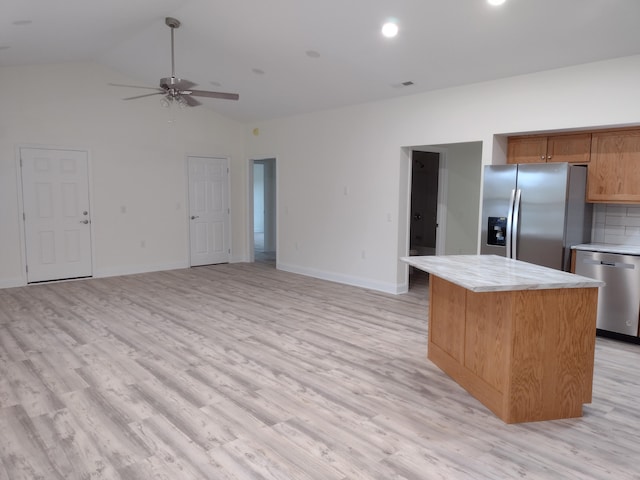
<point>614,170</point>
<point>569,148</point>
<point>527,150</point>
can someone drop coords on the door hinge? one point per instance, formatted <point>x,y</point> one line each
<point>229,251</point>
<point>26,267</point>
<point>24,217</point>
<point>228,211</point>
<point>20,162</point>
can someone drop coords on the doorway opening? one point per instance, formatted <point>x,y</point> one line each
<point>424,203</point>
<point>456,199</point>
<point>423,222</point>
<point>264,211</point>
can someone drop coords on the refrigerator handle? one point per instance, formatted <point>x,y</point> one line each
<point>509,222</point>
<point>515,228</point>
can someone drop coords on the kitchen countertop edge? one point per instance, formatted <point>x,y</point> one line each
<point>608,248</point>
<point>491,273</point>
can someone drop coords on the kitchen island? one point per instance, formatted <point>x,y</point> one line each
<point>519,337</point>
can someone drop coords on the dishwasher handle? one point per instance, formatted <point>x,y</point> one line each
<point>605,263</point>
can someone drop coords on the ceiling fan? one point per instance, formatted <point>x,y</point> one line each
<point>176,89</point>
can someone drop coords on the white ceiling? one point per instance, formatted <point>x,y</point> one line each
<point>441,43</point>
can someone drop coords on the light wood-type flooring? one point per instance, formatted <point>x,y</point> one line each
<point>245,372</point>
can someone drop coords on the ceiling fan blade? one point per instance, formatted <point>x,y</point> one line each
<point>204,93</point>
<point>177,89</point>
<point>131,86</point>
<point>146,95</point>
<point>192,102</point>
<point>177,83</point>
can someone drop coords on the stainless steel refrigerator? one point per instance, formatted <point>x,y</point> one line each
<point>534,212</point>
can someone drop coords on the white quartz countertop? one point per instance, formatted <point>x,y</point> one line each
<point>609,248</point>
<point>491,273</point>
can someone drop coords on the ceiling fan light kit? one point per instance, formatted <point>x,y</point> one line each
<point>177,90</point>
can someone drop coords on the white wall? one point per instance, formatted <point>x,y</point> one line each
<point>137,161</point>
<point>342,173</point>
<point>464,171</point>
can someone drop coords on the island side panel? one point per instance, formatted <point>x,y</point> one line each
<point>448,314</point>
<point>447,317</point>
<point>488,339</point>
<point>527,355</point>
<point>587,310</point>
<point>552,359</point>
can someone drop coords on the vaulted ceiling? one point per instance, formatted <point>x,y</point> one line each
<point>287,57</point>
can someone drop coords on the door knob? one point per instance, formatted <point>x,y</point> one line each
<point>84,221</point>
<point>193,217</point>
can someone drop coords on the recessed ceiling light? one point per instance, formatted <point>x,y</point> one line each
<point>390,29</point>
<point>496,3</point>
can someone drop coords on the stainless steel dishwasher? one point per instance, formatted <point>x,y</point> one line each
<point>619,300</point>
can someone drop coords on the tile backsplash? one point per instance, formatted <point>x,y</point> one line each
<point>618,224</point>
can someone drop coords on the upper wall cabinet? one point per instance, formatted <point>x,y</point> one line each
<point>573,148</point>
<point>527,150</point>
<point>614,170</point>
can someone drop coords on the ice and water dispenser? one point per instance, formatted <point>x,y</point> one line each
<point>497,231</point>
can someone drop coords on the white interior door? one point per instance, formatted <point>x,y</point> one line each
<point>57,220</point>
<point>209,210</point>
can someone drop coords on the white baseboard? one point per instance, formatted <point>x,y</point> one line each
<point>105,272</point>
<point>341,278</point>
<point>324,275</point>
<point>134,269</point>
<point>12,282</point>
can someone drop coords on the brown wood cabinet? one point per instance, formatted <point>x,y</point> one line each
<point>526,354</point>
<point>614,170</point>
<point>527,150</point>
<point>572,148</point>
